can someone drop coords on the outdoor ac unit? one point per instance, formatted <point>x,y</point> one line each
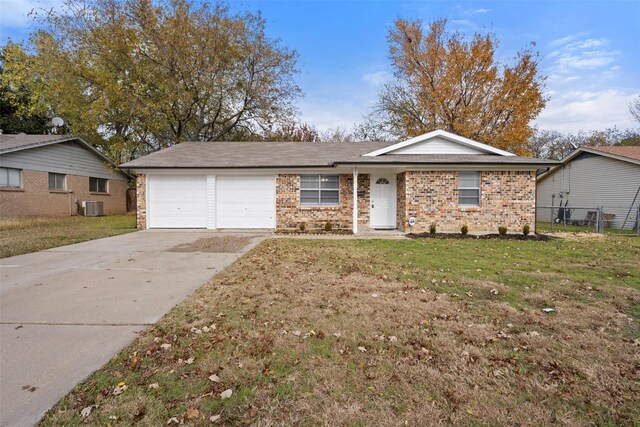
<point>93,208</point>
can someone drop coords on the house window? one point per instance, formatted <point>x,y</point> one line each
<point>319,190</point>
<point>56,181</point>
<point>469,189</point>
<point>382,181</point>
<point>98,185</point>
<point>10,178</point>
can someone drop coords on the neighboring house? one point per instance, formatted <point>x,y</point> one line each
<point>46,175</point>
<point>438,178</point>
<point>590,177</point>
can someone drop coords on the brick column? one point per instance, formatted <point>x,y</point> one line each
<point>141,202</point>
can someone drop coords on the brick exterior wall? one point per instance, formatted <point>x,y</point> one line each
<point>141,202</point>
<point>507,198</point>
<point>289,213</point>
<point>35,198</point>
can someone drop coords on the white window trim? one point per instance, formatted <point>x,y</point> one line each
<point>319,190</point>
<point>19,178</point>
<point>478,188</point>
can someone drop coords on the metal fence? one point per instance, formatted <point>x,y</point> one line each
<point>588,219</point>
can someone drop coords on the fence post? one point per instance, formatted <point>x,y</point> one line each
<point>551,216</point>
<point>638,221</point>
<point>598,218</point>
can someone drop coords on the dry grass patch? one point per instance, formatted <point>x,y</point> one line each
<point>24,235</point>
<point>321,332</point>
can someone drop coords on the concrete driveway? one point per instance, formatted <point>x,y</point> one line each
<point>65,312</point>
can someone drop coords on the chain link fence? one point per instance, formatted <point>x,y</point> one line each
<point>588,219</point>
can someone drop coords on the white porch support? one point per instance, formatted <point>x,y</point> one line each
<point>355,200</point>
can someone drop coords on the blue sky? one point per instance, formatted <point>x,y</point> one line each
<point>590,50</point>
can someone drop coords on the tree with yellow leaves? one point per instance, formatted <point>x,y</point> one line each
<point>445,81</point>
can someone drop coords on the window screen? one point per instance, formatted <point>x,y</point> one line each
<point>10,178</point>
<point>469,189</point>
<point>56,181</point>
<point>319,190</point>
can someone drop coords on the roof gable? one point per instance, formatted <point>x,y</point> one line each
<point>439,142</point>
<point>598,151</point>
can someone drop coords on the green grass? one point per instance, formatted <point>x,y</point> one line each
<point>303,336</point>
<point>545,227</point>
<point>25,235</point>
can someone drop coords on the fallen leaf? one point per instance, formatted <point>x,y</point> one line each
<point>226,394</point>
<point>173,420</point>
<point>153,386</point>
<point>393,338</point>
<point>362,349</point>
<point>86,411</point>
<point>189,361</point>
<point>191,413</point>
<point>214,418</point>
<point>375,295</point>
<point>214,378</point>
<point>165,346</point>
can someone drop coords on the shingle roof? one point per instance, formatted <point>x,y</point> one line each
<point>632,152</point>
<point>23,141</point>
<point>302,154</point>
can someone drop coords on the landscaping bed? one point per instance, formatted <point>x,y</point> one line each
<point>315,232</point>
<point>534,237</point>
<point>388,332</point>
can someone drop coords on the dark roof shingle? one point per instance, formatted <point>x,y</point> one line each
<point>302,154</point>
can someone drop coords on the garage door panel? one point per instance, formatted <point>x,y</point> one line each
<point>245,201</point>
<point>177,201</point>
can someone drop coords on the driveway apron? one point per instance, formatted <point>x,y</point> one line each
<point>65,312</point>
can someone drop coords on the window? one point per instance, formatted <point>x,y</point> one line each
<point>98,185</point>
<point>10,178</point>
<point>382,181</point>
<point>319,190</point>
<point>56,181</point>
<point>469,189</point>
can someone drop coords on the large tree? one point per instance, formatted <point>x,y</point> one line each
<point>21,106</point>
<point>446,81</point>
<point>134,76</point>
<point>634,108</point>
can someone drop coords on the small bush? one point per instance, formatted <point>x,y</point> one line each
<point>328,226</point>
<point>432,229</point>
<point>526,230</point>
<point>502,230</point>
<point>302,226</point>
<point>464,230</point>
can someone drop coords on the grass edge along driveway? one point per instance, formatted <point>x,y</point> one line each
<point>25,235</point>
<point>422,332</point>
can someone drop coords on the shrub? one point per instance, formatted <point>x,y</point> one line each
<point>526,230</point>
<point>432,229</point>
<point>328,226</point>
<point>303,226</point>
<point>464,230</point>
<point>502,230</point>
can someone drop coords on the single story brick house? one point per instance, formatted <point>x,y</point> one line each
<point>49,175</point>
<point>436,178</point>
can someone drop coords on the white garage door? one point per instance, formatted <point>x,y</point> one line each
<point>177,201</point>
<point>245,201</point>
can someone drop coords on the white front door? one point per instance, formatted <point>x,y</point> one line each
<point>383,200</point>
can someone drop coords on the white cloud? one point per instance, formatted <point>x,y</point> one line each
<point>479,10</point>
<point>573,55</point>
<point>377,78</point>
<point>583,110</point>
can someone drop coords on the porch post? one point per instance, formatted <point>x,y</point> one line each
<point>355,200</point>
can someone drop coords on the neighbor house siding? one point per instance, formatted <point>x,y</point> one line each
<point>431,197</point>
<point>289,213</point>
<point>591,180</point>
<point>69,158</point>
<point>35,198</point>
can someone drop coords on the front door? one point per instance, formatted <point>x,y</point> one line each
<point>383,200</point>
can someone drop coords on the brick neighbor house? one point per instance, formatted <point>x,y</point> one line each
<point>437,178</point>
<point>48,175</point>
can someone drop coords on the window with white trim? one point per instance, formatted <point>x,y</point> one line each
<point>319,190</point>
<point>97,185</point>
<point>469,189</point>
<point>10,178</point>
<point>57,181</point>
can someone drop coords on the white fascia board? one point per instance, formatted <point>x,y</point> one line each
<point>444,134</point>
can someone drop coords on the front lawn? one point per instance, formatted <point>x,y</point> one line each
<point>24,235</point>
<point>382,332</point>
